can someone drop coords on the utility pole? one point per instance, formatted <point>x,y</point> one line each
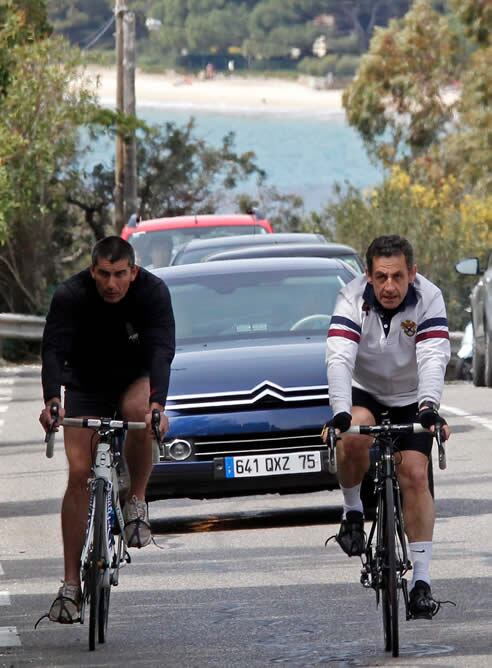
<point>129,105</point>
<point>119,214</point>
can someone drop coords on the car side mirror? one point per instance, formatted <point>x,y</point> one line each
<point>470,266</point>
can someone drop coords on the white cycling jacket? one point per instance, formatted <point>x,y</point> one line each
<point>406,365</point>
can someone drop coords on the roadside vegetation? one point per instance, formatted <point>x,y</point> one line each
<point>421,101</point>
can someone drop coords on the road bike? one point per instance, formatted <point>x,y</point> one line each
<point>385,561</point>
<point>104,550</point>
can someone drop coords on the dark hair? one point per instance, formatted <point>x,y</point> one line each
<point>387,246</point>
<point>113,249</point>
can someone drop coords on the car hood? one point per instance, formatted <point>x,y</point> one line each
<point>271,367</point>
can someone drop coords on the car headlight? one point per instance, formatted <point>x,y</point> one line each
<point>178,449</point>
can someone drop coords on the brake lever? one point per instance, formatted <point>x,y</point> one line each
<point>156,444</point>
<point>441,448</point>
<point>49,439</point>
<point>332,449</point>
<point>155,422</point>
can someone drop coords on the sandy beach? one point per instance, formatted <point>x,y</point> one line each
<point>223,93</point>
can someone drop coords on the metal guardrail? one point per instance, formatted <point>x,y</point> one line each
<point>17,326</point>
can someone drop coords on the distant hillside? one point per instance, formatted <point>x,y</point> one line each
<point>319,37</point>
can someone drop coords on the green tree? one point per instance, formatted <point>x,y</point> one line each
<point>397,101</point>
<point>20,22</point>
<point>476,16</point>
<point>179,174</point>
<point>439,151</point>
<point>39,117</point>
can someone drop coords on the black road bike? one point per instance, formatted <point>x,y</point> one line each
<point>385,561</point>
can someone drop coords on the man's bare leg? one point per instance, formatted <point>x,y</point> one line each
<point>138,445</point>
<point>419,518</point>
<point>353,451</point>
<point>418,504</point>
<point>352,464</point>
<point>76,499</point>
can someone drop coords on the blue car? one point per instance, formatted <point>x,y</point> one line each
<point>248,393</point>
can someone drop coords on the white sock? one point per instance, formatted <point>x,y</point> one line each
<point>420,556</point>
<point>351,499</point>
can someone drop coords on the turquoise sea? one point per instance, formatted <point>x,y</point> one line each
<point>301,154</point>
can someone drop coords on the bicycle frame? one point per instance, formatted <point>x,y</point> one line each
<point>385,469</point>
<point>105,469</point>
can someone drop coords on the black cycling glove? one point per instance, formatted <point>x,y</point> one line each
<point>341,421</point>
<point>428,416</point>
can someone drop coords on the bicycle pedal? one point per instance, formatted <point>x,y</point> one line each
<point>420,615</point>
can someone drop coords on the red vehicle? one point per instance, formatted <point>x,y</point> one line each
<point>157,241</point>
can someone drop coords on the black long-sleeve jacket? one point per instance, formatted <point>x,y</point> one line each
<point>95,345</point>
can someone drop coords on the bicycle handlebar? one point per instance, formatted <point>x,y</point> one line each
<point>95,423</point>
<point>390,429</point>
<point>90,423</point>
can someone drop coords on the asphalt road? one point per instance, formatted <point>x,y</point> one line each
<point>242,582</point>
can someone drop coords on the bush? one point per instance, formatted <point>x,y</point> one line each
<point>442,223</point>
<point>347,65</point>
<point>318,67</point>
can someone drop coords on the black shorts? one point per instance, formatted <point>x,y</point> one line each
<point>397,415</point>
<point>83,402</point>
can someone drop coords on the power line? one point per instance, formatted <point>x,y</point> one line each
<point>98,36</point>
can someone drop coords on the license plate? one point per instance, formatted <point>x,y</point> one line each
<point>266,465</point>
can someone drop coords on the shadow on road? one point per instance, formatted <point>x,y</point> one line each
<point>30,508</point>
<point>248,520</point>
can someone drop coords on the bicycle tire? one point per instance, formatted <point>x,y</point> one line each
<point>96,558</point>
<point>380,570</point>
<point>389,583</point>
<point>102,621</point>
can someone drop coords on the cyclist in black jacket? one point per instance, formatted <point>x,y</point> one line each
<point>109,339</point>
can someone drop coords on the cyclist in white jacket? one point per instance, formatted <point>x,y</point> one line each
<point>387,351</point>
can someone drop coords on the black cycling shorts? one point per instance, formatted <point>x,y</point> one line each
<point>397,415</point>
<point>83,402</point>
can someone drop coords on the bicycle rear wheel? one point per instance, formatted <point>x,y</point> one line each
<point>96,567</point>
<point>389,584</point>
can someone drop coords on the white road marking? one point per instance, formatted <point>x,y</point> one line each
<point>4,597</point>
<point>9,636</point>
<point>483,422</point>
<point>2,572</point>
<point>6,381</point>
<point>3,408</point>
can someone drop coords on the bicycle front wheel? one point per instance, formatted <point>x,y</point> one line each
<point>96,567</point>
<point>102,620</point>
<point>389,584</point>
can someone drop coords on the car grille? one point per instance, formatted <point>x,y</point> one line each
<point>265,395</point>
<point>256,444</point>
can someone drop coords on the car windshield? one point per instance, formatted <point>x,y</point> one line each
<point>145,242</point>
<point>256,304</point>
<point>354,262</point>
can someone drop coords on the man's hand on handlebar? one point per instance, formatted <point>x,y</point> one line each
<point>429,418</point>
<point>50,417</point>
<point>340,421</point>
<point>157,420</point>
